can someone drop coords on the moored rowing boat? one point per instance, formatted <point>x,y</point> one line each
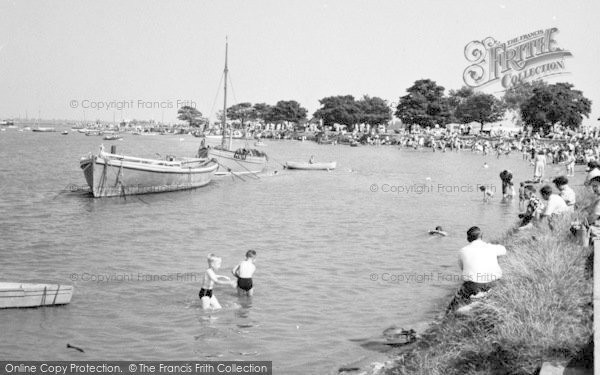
<point>14,294</point>
<point>310,166</point>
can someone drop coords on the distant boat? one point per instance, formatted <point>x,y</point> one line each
<point>310,166</point>
<point>240,161</point>
<point>33,295</point>
<point>43,130</point>
<point>260,144</point>
<point>112,137</point>
<point>65,132</point>
<point>110,175</point>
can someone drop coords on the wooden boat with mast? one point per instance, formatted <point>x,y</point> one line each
<point>109,174</point>
<point>242,160</point>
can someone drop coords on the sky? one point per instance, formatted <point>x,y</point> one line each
<point>88,60</point>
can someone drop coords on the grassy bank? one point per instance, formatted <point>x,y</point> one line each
<point>540,310</point>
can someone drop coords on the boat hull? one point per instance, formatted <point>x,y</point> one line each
<point>115,175</point>
<point>310,166</point>
<point>231,162</point>
<point>14,295</point>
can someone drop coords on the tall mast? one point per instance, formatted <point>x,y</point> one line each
<point>225,102</point>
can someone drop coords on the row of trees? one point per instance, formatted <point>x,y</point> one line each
<point>284,111</point>
<point>538,104</point>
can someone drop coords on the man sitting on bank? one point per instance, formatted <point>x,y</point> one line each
<point>478,262</point>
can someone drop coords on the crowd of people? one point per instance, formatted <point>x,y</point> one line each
<point>541,204</point>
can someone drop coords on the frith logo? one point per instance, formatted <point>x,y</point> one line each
<point>526,58</point>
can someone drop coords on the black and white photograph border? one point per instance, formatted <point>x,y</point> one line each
<point>298,187</point>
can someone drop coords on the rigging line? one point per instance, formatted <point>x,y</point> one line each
<point>212,110</point>
<point>252,173</point>
<point>235,101</point>
<point>233,174</point>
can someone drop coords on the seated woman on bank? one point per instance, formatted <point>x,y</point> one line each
<point>438,231</point>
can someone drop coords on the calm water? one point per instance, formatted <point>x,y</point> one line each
<point>320,238</point>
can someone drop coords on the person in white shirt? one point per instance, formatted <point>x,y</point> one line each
<point>566,193</point>
<point>555,205</point>
<point>479,266</point>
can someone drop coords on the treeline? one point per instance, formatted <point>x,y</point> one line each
<point>538,104</point>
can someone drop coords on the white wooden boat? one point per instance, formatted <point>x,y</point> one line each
<point>43,130</point>
<point>110,175</point>
<point>310,166</point>
<point>112,137</point>
<point>240,161</point>
<point>33,295</point>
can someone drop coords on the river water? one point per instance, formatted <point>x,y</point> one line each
<point>342,255</point>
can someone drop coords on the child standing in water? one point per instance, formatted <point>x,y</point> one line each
<point>487,193</point>
<point>210,279</point>
<point>244,272</point>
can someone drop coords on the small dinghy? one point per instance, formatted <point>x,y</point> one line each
<point>310,166</point>
<point>33,295</point>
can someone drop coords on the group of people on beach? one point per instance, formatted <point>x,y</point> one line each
<point>243,273</point>
<point>478,260</point>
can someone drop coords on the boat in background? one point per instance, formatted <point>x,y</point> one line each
<point>43,130</point>
<point>112,137</point>
<point>310,166</point>
<point>65,132</point>
<point>15,294</point>
<point>242,160</point>
<point>110,175</point>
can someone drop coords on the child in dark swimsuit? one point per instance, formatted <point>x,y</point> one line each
<point>244,272</point>
<point>209,280</point>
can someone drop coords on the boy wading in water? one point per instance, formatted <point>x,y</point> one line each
<point>244,272</point>
<point>210,279</point>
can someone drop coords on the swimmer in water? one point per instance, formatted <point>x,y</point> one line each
<point>244,272</point>
<point>487,193</point>
<point>210,279</point>
<point>438,231</point>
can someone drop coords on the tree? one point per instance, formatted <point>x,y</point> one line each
<point>289,111</point>
<point>457,97</point>
<point>342,109</point>
<point>242,112</point>
<point>479,107</point>
<point>516,95</point>
<point>424,105</point>
<point>553,104</point>
<point>263,111</point>
<point>191,115</point>
<point>374,111</point>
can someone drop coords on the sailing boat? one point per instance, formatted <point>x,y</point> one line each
<point>242,160</point>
